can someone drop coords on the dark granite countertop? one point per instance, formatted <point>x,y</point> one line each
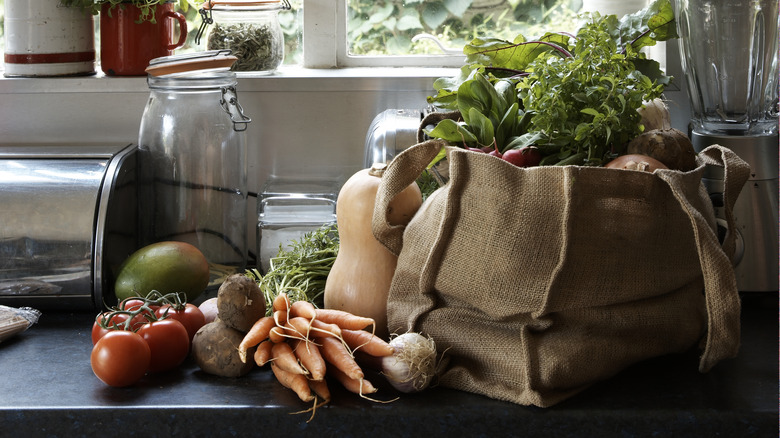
<point>47,389</point>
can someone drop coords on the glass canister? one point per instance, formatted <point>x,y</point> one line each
<point>249,29</point>
<point>192,175</point>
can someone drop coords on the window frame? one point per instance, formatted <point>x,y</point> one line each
<point>325,42</point>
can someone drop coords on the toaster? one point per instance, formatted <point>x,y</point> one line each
<point>67,222</point>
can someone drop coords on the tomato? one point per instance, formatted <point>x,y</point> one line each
<point>120,358</point>
<point>191,316</point>
<point>108,320</point>
<point>168,341</point>
<point>132,305</point>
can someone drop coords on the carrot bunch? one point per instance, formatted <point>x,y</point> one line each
<point>303,344</point>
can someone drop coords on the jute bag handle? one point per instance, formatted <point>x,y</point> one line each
<point>405,168</point>
<point>721,295</point>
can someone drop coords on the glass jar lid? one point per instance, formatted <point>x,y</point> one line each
<point>210,60</point>
<point>247,5</point>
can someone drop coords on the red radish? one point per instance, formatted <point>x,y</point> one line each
<point>476,150</point>
<point>494,152</point>
<point>528,156</point>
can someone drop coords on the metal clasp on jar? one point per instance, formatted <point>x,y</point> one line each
<point>230,104</point>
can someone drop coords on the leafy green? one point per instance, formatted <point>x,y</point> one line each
<point>491,114</point>
<point>302,270</point>
<point>575,96</point>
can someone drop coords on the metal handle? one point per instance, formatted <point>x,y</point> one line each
<point>231,106</point>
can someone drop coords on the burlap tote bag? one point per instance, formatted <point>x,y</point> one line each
<point>541,281</point>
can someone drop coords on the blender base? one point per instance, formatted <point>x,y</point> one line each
<point>756,209</point>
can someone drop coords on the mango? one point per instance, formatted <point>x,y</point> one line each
<point>166,267</point>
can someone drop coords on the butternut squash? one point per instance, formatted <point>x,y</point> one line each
<point>359,280</point>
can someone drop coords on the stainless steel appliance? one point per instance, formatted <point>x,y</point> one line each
<point>68,220</point>
<point>391,131</point>
<point>729,53</point>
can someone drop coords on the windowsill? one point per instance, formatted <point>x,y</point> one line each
<point>285,79</point>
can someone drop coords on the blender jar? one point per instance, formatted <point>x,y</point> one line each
<point>729,56</point>
<point>192,160</point>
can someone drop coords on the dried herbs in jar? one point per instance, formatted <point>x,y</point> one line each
<point>250,30</point>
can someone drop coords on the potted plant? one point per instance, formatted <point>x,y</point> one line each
<point>133,32</point>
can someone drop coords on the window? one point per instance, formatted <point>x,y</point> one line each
<point>347,33</point>
<point>341,33</point>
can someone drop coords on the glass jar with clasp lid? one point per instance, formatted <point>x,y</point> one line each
<point>249,29</point>
<point>192,171</point>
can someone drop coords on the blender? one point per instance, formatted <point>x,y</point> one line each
<point>729,53</point>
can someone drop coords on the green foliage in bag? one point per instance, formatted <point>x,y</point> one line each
<point>577,96</point>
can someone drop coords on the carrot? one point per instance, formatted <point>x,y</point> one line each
<point>321,329</point>
<point>257,334</point>
<point>358,386</point>
<point>297,327</point>
<point>302,328</point>
<point>276,334</point>
<point>320,387</point>
<point>303,309</point>
<point>343,319</point>
<point>366,342</point>
<point>281,302</point>
<point>284,358</point>
<point>263,352</point>
<point>296,382</point>
<point>310,358</point>
<point>336,354</point>
<point>280,316</point>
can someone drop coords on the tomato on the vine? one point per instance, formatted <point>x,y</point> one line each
<point>190,316</point>
<point>168,341</point>
<point>120,358</point>
<point>106,322</point>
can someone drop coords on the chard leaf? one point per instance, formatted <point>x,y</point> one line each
<point>515,55</point>
<point>644,28</point>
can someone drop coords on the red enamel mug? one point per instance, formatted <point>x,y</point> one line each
<point>129,41</point>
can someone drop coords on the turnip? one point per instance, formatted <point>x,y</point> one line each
<point>669,146</point>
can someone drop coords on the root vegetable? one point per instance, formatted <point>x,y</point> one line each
<point>257,334</point>
<point>366,342</point>
<point>296,382</point>
<point>303,309</point>
<point>636,162</point>
<point>310,358</point>
<point>669,146</point>
<point>344,319</point>
<point>336,354</point>
<point>359,386</point>
<point>655,115</point>
<point>209,309</point>
<point>240,302</point>
<point>215,350</point>
<point>320,387</point>
<point>283,357</point>
<point>412,366</point>
<point>263,353</point>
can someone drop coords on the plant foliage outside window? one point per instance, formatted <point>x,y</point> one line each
<point>389,27</point>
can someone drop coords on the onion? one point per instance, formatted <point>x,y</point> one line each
<point>412,366</point>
